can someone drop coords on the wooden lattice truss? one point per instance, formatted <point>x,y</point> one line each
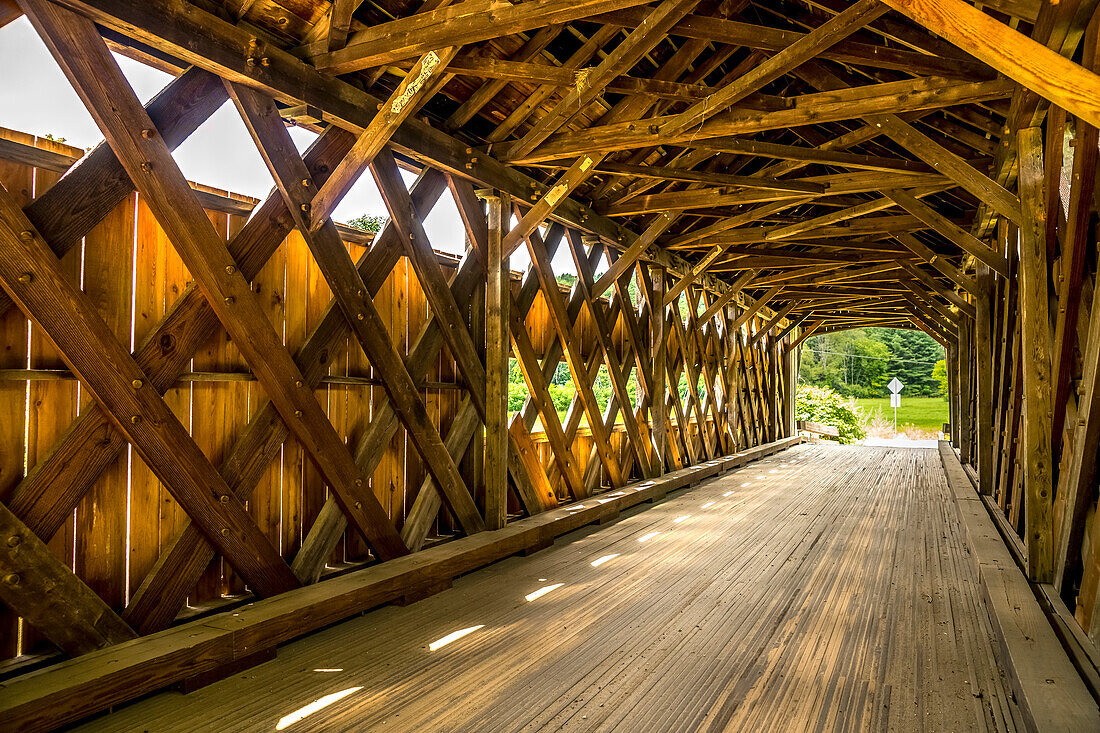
<point>728,179</point>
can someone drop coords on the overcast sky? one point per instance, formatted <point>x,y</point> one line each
<point>36,98</point>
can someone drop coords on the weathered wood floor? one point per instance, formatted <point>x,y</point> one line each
<point>824,588</point>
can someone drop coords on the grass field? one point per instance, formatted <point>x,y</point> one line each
<point>926,413</point>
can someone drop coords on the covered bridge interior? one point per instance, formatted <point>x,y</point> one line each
<point>229,427</point>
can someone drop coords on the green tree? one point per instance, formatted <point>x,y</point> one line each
<point>567,279</point>
<point>561,374</point>
<point>369,222</point>
<point>517,387</point>
<point>859,362</point>
<point>939,373</point>
<point>912,356</point>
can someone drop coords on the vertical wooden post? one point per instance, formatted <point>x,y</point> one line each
<point>658,350</point>
<point>962,362</point>
<point>983,351</point>
<point>953,392</point>
<point>770,351</point>
<point>473,462</point>
<point>497,334</point>
<point>790,379</point>
<point>1036,351</point>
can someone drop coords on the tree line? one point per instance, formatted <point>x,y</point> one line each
<point>860,362</point>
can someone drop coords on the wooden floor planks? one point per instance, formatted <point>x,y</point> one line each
<point>824,588</point>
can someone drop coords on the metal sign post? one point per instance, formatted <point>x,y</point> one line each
<point>895,386</point>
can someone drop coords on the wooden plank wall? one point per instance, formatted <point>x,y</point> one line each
<point>132,273</point>
<point>1034,456</point>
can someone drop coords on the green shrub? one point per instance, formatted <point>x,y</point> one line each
<point>561,395</point>
<point>823,405</point>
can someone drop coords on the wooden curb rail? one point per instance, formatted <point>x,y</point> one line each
<point>1047,687</point>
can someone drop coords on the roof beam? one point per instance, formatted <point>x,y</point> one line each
<point>200,38</point>
<point>1031,64</point>
<point>828,34</point>
<point>591,85</point>
<point>907,96</point>
<point>461,24</point>
<point>764,38</point>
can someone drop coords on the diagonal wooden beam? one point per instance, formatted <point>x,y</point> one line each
<point>704,346</point>
<point>635,333</point>
<point>626,54</point>
<point>774,321</point>
<point>41,589</point>
<point>939,262</point>
<point>565,184</point>
<point>966,241</point>
<point>927,296</point>
<point>688,358</point>
<point>835,29</point>
<point>426,266</point>
<point>806,333</point>
<point>558,316</point>
<point>930,283</point>
<point>755,307</point>
<point>611,358</point>
<point>404,101</point>
<point>963,173</point>
<point>33,276</point>
<point>50,492</point>
<point>83,56</point>
<point>634,252</point>
<point>291,176</point>
<point>735,287</point>
<point>98,182</point>
<point>539,395</point>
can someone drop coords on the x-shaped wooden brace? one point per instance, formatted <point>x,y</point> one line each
<point>559,318</point>
<point>539,375</point>
<point>687,362</point>
<point>97,183</point>
<point>84,57</point>
<point>637,341</point>
<point>301,194</point>
<point>586,283</point>
<point>702,344</point>
<point>160,596</point>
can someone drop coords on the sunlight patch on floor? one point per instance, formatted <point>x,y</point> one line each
<point>320,703</point>
<point>453,636</point>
